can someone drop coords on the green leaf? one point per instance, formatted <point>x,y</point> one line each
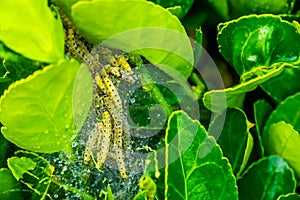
<point>214,99</point>
<point>7,54</point>
<point>262,110</point>
<point>32,170</point>
<point>221,6</point>
<point>256,41</point>
<point>278,91</point>
<point>9,187</point>
<point>31,29</point>
<point>184,4</point>
<point>4,150</point>
<point>148,189</point>
<point>268,178</point>
<point>242,7</point>
<point>36,112</point>
<point>176,10</point>
<point>284,141</point>
<point>198,44</point>
<point>233,137</point>
<point>291,196</point>
<point>285,111</point>
<point>142,195</point>
<point>258,48</point>
<point>162,40</point>
<point>19,166</point>
<point>66,5</point>
<point>82,96</point>
<point>191,159</point>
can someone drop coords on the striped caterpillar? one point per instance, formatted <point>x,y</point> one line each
<point>111,133</point>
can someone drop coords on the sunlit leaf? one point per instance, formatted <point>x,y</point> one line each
<point>31,29</point>
<point>36,112</point>
<point>151,31</point>
<point>283,140</point>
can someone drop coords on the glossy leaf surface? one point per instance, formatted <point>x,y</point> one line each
<point>31,29</point>
<point>152,31</point>
<point>268,178</point>
<point>37,111</point>
<point>191,159</point>
<point>233,138</point>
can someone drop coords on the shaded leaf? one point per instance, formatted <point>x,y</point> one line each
<point>233,137</point>
<point>284,141</point>
<point>241,7</point>
<point>31,29</point>
<point>9,187</point>
<point>257,47</point>
<point>235,95</point>
<point>145,33</point>
<point>291,196</point>
<point>221,6</point>
<point>184,4</point>
<point>36,112</point>
<point>278,91</point>
<point>268,178</point>
<point>262,110</point>
<point>4,150</point>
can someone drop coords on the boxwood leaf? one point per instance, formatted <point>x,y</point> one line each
<point>150,30</point>
<point>290,196</point>
<point>31,29</point>
<point>285,111</point>
<point>36,112</point>
<point>194,165</point>
<point>283,140</point>
<point>234,136</point>
<point>9,187</point>
<point>268,178</point>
